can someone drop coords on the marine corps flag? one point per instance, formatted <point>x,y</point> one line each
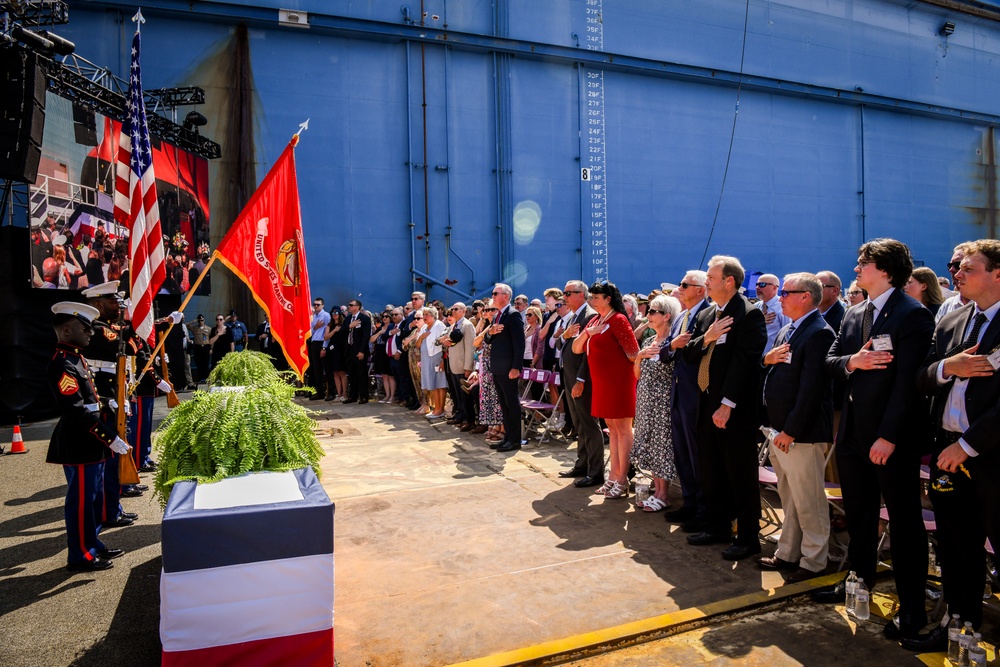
<point>264,248</point>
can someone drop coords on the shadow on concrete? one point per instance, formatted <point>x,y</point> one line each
<point>134,636</point>
<point>39,496</point>
<point>18,592</point>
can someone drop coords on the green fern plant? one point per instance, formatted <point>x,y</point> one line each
<point>252,369</point>
<point>214,435</point>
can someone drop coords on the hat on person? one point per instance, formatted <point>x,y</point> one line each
<point>109,288</point>
<point>641,298</point>
<point>668,287</point>
<point>68,310</point>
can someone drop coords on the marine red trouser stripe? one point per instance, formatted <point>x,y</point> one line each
<point>81,484</point>
<point>139,426</point>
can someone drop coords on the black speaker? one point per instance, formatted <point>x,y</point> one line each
<point>22,114</point>
<point>84,125</point>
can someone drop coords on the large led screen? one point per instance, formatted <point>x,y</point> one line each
<point>75,241</point>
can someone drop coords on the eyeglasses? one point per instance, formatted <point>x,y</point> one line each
<point>559,304</point>
<point>489,310</point>
<point>495,293</point>
<point>220,319</point>
<point>762,285</point>
<point>854,293</point>
<point>954,266</point>
<point>658,312</point>
<point>864,262</point>
<point>837,287</point>
<point>572,291</point>
<point>317,305</point>
<point>684,285</point>
<point>786,292</point>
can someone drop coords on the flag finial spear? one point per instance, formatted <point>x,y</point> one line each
<point>138,20</point>
<point>302,127</point>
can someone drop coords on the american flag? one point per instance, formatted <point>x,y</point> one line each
<point>136,207</point>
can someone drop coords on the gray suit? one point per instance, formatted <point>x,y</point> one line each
<point>461,355</point>
<point>590,444</point>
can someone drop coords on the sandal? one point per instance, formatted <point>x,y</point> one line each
<point>654,504</point>
<point>604,489</point>
<point>617,490</point>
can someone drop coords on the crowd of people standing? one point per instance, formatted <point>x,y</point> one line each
<point>857,385</point>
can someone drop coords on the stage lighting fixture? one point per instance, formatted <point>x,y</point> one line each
<point>60,45</point>
<point>948,28</point>
<point>31,39</point>
<point>194,120</point>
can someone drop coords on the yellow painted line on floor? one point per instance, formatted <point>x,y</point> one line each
<point>657,625</point>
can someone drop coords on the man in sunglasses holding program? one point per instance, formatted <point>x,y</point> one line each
<point>957,300</point>
<point>770,305</point>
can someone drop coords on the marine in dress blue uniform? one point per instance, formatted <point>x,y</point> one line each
<point>81,442</point>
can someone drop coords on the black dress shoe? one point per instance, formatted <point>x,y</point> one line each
<point>91,565</point>
<point>494,445</point>
<point>148,467</point>
<point>140,487</point>
<point>108,554</point>
<point>122,520</point>
<point>909,626</point>
<point>315,397</point>
<point>695,525</point>
<point>129,515</point>
<point>935,641</point>
<point>801,574</point>
<point>350,400</point>
<point>831,594</point>
<point>131,493</point>
<point>740,551</point>
<point>573,472</point>
<point>587,480</point>
<point>508,446</point>
<point>680,515</point>
<point>360,402</point>
<point>775,564</point>
<point>704,538</point>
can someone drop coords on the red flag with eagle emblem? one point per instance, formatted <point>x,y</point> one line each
<point>264,248</point>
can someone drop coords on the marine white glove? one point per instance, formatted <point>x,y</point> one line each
<point>164,386</point>
<point>177,316</point>
<point>113,404</point>
<point>119,446</point>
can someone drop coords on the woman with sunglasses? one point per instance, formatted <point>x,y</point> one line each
<point>335,357</point>
<point>220,340</point>
<point>653,449</point>
<point>380,358</point>
<point>490,414</point>
<point>611,349</point>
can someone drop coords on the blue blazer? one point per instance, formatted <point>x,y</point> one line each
<point>507,347</point>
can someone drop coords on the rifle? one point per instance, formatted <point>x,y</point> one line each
<point>127,473</point>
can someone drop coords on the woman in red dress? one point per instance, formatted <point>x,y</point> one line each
<point>611,349</point>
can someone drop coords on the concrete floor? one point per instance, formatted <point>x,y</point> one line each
<point>445,552</point>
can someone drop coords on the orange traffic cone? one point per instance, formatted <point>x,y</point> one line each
<point>17,443</point>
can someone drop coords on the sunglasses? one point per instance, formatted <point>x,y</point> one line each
<point>762,285</point>
<point>786,292</point>
<point>573,291</point>
<point>658,312</point>
<point>495,293</point>
<point>684,285</point>
<point>489,310</point>
<point>831,287</point>
<point>954,266</point>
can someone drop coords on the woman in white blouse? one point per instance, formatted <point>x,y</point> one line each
<point>432,376</point>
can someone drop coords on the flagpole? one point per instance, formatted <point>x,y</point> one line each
<point>159,345</point>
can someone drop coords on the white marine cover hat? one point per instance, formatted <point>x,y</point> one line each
<point>104,289</point>
<point>69,309</point>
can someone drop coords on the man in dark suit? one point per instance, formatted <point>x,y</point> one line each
<point>359,327</point>
<point>830,306</point>
<point>965,387</point>
<point>883,426</point>
<point>728,357</point>
<point>589,466</point>
<point>506,340</point>
<point>799,406</point>
<point>684,411</point>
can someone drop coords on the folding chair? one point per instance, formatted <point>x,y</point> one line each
<point>769,480</point>
<point>540,412</point>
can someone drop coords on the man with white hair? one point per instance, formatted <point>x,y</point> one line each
<point>506,339</point>
<point>767,292</point>
<point>460,344</point>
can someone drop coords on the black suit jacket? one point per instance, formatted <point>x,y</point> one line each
<point>575,365</point>
<point>798,395</point>
<point>359,342</point>
<point>507,347</point>
<point>734,370</point>
<point>885,403</point>
<point>835,315</point>
<point>982,394</point>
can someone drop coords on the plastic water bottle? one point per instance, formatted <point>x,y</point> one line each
<point>964,641</point>
<point>851,584</point>
<point>977,654</point>
<point>861,609</point>
<point>954,632</point>
<point>641,490</point>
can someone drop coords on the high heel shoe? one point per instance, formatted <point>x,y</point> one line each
<point>605,488</point>
<point>617,490</point>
